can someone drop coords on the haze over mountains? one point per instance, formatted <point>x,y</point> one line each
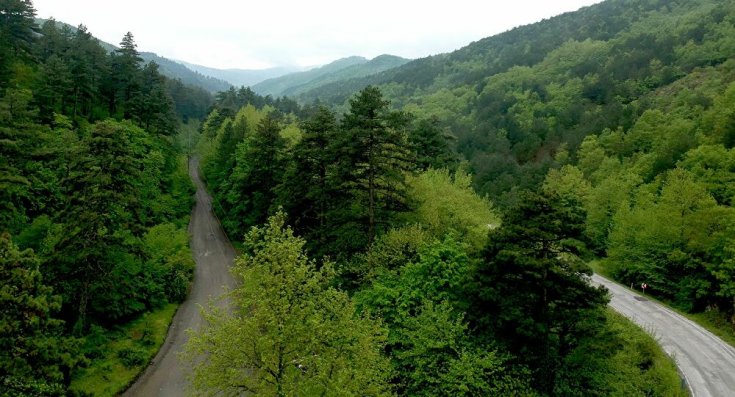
<point>276,81</point>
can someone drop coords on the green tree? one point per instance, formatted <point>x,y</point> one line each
<point>308,191</point>
<point>431,145</point>
<point>532,291</point>
<point>151,106</point>
<point>258,171</point>
<point>290,333</point>
<point>435,356</point>
<point>17,34</point>
<point>35,356</point>
<point>446,203</point>
<point>372,161</point>
<point>101,187</point>
<point>125,74</point>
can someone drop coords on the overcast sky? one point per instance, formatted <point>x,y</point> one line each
<point>266,33</point>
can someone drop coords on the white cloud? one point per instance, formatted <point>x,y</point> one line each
<point>260,34</point>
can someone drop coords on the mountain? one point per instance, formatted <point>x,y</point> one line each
<point>341,69</point>
<point>242,77</point>
<point>169,68</point>
<point>176,70</point>
<point>516,99</point>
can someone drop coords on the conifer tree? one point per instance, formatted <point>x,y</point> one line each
<point>372,160</point>
<point>308,191</point>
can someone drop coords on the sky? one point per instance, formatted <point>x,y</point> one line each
<point>248,34</point>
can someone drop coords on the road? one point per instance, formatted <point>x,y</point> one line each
<point>214,255</point>
<point>706,362</point>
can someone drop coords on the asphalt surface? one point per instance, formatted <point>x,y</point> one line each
<point>166,376</point>
<point>704,360</point>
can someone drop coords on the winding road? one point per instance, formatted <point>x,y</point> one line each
<point>213,254</point>
<point>704,360</point>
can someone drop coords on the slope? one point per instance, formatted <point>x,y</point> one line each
<point>242,77</point>
<point>167,67</point>
<point>339,70</point>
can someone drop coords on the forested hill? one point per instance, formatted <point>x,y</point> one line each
<point>242,77</point>
<point>624,108</point>
<point>513,99</point>
<point>171,69</point>
<point>340,70</point>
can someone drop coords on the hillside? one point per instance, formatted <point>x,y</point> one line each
<point>501,95</point>
<point>167,67</point>
<point>242,77</point>
<point>625,110</point>
<point>342,69</point>
<point>176,70</point>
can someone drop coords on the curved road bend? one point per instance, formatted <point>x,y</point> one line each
<point>213,254</point>
<point>706,362</point>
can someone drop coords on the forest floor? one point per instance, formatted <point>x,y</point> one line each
<point>166,375</point>
<point>705,361</point>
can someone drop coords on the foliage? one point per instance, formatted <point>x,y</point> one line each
<point>34,354</point>
<point>290,333</point>
<point>445,202</point>
<point>531,292</point>
<point>87,171</point>
<point>118,355</point>
<point>621,360</point>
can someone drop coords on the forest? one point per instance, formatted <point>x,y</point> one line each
<point>364,228</point>
<point>426,231</point>
<point>624,107</point>
<point>94,199</point>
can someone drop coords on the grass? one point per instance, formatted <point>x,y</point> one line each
<point>639,366</point>
<point>712,321</point>
<point>121,354</point>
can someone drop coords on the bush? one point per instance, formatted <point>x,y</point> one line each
<point>132,357</point>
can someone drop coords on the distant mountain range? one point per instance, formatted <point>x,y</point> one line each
<point>242,77</point>
<point>295,84</point>
<point>279,81</point>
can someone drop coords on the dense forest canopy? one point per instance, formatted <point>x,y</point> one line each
<point>94,196</point>
<point>422,231</point>
<point>624,107</point>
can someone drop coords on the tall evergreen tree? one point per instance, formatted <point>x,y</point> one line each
<point>308,191</point>
<point>430,145</point>
<point>125,69</point>
<point>17,31</point>
<point>532,291</point>
<point>35,357</point>
<point>101,187</point>
<point>258,171</point>
<point>372,160</point>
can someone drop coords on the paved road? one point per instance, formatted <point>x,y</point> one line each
<point>706,362</point>
<point>214,255</point>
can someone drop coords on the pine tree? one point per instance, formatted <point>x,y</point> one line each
<point>17,34</point>
<point>258,171</point>
<point>532,290</point>
<point>125,70</point>
<point>372,160</point>
<point>430,145</point>
<point>308,191</point>
<point>34,356</point>
<point>102,198</point>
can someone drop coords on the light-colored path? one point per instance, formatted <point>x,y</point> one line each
<point>214,255</point>
<point>706,362</point>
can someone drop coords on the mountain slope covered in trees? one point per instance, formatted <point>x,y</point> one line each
<point>242,77</point>
<point>384,222</point>
<point>624,108</point>
<point>171,69</point>
<point>94,198</point>
<point>342,69</point>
